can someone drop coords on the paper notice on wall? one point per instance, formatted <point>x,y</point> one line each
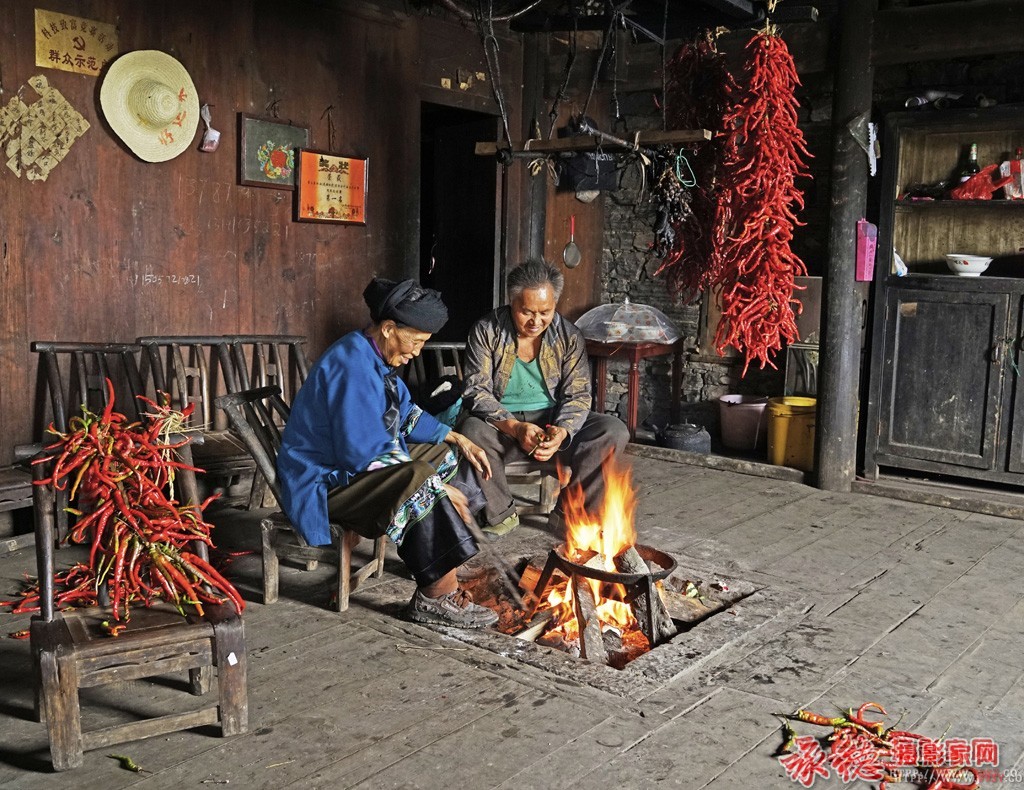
<point>35,137</point>
<point>71,43</point>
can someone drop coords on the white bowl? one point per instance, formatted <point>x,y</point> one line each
<point>967,265</point>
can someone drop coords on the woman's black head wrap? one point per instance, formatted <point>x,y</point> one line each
<point>405,303</point>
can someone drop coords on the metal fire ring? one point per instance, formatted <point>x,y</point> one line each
<point>647,553</point>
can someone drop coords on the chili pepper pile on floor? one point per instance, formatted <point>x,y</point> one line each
<point>764,156</point>
<point>861,748</point>
<point>699,92</point>
<point>143,541</point>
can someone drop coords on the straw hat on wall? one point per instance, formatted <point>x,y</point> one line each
<point>150,102</point>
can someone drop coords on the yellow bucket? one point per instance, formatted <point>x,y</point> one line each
<point>791,432</point>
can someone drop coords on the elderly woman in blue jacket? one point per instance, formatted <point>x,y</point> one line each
<point>357,452</point>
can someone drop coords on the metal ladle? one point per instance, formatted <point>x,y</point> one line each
<point>571,254</point>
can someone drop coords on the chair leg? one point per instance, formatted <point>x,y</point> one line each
<point>199,680</point>
<point>380,546</point>
<point>229,637</point>
<point>59,678</point>
<point>345,543</point>
<point>549,488</point>
<point>271,567</point>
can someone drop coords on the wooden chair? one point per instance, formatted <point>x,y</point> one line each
<point>71,652</point>
<point>439,359</point>
<point>252,417</point>
<point>269,360</point>
<point>193,370</point>
<point>72,375</point>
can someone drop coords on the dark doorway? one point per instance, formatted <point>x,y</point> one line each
<point>458,210</point>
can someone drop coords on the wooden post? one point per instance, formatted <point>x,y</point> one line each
<point>836,427</point>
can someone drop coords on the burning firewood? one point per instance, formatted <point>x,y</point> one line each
<point>630,561</point>
<point>591,641</point>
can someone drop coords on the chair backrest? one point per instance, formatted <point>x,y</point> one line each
<point>436,360</point>
<point>255,416</point>
<point>73,375</point>
<point>269,360</point>
<point>191,369</point>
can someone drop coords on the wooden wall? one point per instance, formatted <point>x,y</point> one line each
<point>110,248</point>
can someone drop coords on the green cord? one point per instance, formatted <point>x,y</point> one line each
<point>691,179</point>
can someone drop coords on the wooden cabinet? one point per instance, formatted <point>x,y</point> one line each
<point>944,393</point>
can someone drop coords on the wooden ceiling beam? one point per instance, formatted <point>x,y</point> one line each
<point>901,35</point>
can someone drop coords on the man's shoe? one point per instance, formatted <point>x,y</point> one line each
<point>456,608</point>
<point>498,530</point>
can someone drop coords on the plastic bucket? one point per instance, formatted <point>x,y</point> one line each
<point>743,422</point>
<point>791,432</point>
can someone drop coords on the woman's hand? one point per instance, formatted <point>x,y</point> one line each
<point>472,452</point>
<point>460,502</point>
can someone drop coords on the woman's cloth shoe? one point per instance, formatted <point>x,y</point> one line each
<point>456,608</point>
<point>498,530</point>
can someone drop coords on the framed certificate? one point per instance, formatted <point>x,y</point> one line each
<point>331,188</point>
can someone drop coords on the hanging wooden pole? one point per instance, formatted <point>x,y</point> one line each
<point>839,386</point>
<point>593,142</point>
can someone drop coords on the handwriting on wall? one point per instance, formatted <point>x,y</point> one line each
<point>218,197</point>
<point>166,280</point>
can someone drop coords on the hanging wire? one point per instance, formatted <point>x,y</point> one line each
<point>664,63</point>
<point>570,60</point>
<point>615,79</point>
<point>491,50</point>
<point>329,112</point>
<point>600,60</point>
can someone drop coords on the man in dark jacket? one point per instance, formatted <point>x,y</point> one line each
<point>528,394</point>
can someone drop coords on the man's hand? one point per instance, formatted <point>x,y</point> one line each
<point>472,452</point>
<point>460,502</point>
<point>550,442</point>
<point>529,437</point>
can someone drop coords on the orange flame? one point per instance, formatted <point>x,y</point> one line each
<point>607,535</point>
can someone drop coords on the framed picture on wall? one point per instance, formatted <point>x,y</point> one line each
<point>331,188</point>
<point>267,151</point>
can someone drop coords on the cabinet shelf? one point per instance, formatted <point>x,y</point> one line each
<point>901,206</point>
<point>946,393</point>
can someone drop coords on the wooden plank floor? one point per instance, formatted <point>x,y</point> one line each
<point>911,605</point>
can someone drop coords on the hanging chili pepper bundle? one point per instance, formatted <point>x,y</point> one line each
<point>121,477</point>
<point>699,92</point>
<point>765,154</point>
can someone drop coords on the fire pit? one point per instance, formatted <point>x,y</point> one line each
<point>599,595</point>
<point>586,623</point>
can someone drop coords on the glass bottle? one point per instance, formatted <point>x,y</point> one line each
<point>970,166</point>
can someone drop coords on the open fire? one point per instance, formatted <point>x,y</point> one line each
<point>597,594</point>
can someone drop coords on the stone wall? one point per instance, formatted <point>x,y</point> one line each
<point>627,272</point>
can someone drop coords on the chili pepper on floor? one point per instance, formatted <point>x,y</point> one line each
<point>128,763</point>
